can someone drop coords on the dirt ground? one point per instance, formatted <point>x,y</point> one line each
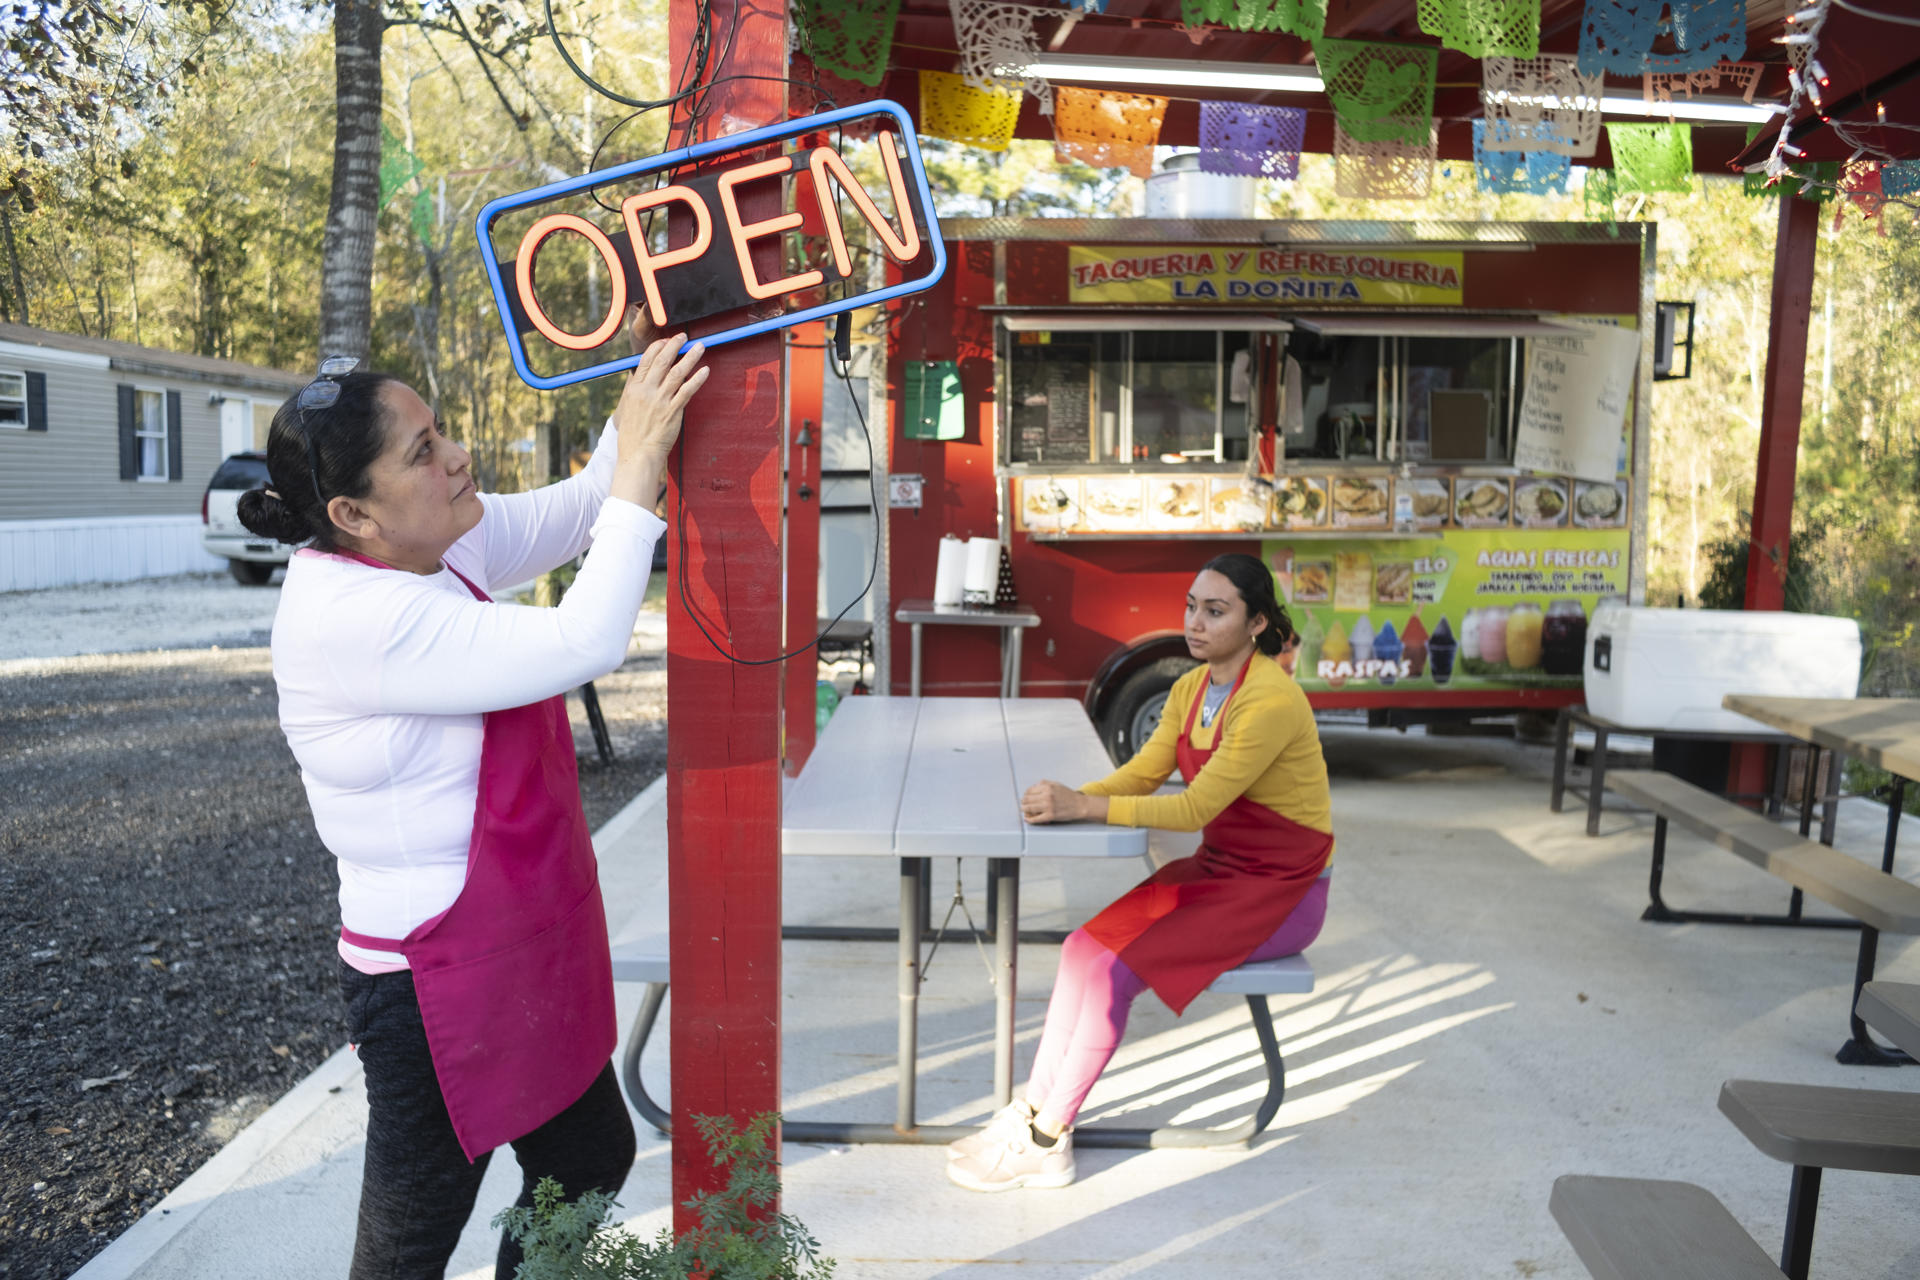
<point>167,919</point>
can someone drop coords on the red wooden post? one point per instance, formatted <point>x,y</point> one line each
<point>806,365</point>
<point>723,743</point>
<point>1795,244</point>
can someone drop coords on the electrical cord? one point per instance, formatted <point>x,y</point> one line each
<point>702,44</point>
<point>844,373</point>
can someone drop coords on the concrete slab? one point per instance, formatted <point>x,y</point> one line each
<point>1491,1013</point>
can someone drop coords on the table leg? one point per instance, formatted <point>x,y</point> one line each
<point>1830,800</point>
<point>993,899</point>
<point>1562,748</point>
<point>1006,954</point>
<point>1803,1202</point>
<point>1013,672</point>
<point>1861,1050</point>
<point>913,685</point>
<point>1596,780</point>
<point>913,875</point>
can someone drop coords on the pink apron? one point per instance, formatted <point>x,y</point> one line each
<point>1199,916</point>
<point>514,979</point>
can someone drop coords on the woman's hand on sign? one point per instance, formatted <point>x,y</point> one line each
<point>640,331</point>
<point>1051,802</point>
<point>648,417</point>
<point>655,396</point>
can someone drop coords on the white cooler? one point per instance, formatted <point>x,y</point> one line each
<point>1669,668</point>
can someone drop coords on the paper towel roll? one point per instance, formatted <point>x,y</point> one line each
<point>983,570</point>
<point>950,575</point>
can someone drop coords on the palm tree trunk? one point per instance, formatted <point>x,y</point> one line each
<point>346,253</point>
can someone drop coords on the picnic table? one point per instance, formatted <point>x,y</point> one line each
<point>917,778</point>
<point>1883,732</point>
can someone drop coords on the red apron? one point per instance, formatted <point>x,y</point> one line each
<point>1199,916</point>
<point>514,979</point>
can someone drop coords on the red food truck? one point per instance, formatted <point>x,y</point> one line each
<point>1435,433</point>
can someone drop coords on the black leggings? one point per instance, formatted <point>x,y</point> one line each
<point>418,1189</point>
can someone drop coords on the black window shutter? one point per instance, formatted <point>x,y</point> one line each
<point>174,469</point>
<point>36,402</point>
<point>129,446</point>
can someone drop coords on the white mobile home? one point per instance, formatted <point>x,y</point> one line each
<point>105,449</point>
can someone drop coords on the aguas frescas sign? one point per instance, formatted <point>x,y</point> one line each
<point>706,266</point>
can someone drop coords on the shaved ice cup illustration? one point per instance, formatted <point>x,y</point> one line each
<point>1335,650</point>
<point>1361,638</point>
<point>1440,650</point>
<point>1386,650</point>
<point>1414,645</point>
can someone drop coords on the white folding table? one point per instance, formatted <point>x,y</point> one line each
<point>919,778</point>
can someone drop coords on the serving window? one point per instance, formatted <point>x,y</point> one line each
<point>1373,388</point>
<point>1175,390</point>
<point>1171,396</point>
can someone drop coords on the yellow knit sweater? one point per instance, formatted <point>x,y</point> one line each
<point>1268,750</point>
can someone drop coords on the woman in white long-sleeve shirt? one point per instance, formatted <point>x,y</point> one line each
<point>432,737</point>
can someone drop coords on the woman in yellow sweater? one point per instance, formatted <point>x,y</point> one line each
<point>1240,731</point>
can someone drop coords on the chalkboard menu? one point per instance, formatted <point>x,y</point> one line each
<point>1051,415</point>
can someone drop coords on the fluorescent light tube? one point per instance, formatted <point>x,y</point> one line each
<point>1697,109</point>
<point>1280,78</point>
<point>1198,74</point>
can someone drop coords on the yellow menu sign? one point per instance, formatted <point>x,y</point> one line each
<point>1246,275</point>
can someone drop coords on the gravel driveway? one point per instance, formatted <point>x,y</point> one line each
<point>167,914</point>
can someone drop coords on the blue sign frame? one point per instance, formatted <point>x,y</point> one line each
<point>494,209</point>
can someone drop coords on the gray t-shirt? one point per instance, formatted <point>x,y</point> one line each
<point>1211,702</point>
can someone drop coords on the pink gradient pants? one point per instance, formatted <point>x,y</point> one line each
<point>1092,995</point>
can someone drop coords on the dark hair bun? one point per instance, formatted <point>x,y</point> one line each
<point>1254,580</point>
<point>265,514</point>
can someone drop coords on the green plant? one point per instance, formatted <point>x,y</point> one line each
<point>738,1237</point>
<point>1726,583</point>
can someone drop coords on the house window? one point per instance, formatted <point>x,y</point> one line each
<point>150,433</point>
<point>13,399</point>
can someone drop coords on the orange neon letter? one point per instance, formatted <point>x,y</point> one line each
<point>652,264</point>
<point>523,277</point>
<point>743,232</point>
<point>825,162</point>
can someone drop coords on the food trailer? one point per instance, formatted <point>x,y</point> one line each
<point>1435,433</point>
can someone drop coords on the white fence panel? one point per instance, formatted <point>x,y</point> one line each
<point>61,553</point>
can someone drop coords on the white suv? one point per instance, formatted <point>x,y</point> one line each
<point>251,559</point>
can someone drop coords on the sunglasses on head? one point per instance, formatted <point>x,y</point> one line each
<point>321,393</point>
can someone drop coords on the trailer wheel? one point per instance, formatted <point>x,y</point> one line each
<point>1136,708</point>
<point>250,573</point>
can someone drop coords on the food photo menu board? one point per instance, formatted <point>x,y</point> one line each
<point>1473,610</point>
<point>1062,505</point>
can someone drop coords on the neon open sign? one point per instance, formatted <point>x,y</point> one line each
<point>712,269</point>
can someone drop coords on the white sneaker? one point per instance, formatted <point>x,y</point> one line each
<point>1004,1123</point>
<point>1017,1162</point>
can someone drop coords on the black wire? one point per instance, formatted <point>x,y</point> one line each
<point>702,43</point>
<point>873,566</point>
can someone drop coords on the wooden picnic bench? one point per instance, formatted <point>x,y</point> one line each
<point>1892,1009</point>
<point>645,960</point>
<point>1603,730</point>
<point>1876,900</point>
<point>1817,1127</point>
<point>1650,1229</point>
<point>1633,1227</point>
